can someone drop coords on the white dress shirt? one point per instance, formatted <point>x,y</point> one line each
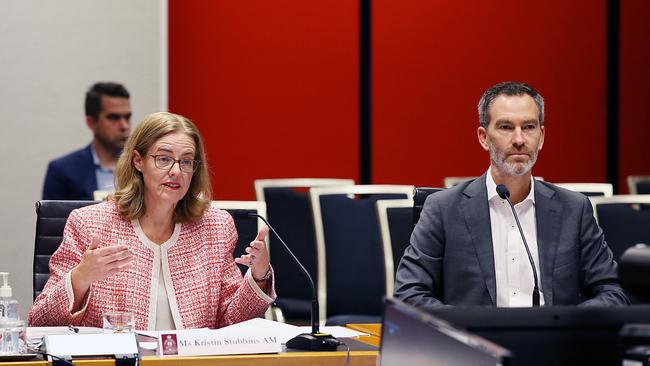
<point>104,175</point>
<point>514,276</point>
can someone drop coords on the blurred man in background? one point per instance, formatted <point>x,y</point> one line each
<point>77,175</point>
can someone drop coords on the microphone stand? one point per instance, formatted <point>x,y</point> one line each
<point>505,194</point>
<point>314,341</point>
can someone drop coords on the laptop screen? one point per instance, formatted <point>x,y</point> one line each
<point>412,337</point>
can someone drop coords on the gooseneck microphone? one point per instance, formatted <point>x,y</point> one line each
<point>314,341</point>
<point>503,192</point>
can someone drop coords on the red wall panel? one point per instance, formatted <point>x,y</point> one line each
<point>272,85</point>
<point>433,60</point>
<point>635,93</point>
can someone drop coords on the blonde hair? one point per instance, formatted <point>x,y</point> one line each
<point>129,183</point>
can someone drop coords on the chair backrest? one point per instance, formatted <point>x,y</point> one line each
<point>51,217</point>
<point>247,227</point>
<point>350,255</point>
<point>589,189</point>
<point>289,211</point>
<point>638,184</point>
<point>420,195</point>
<point>262,184</point>
<point>622,220</point>
<point>452,181</point>
<point>395,222</point>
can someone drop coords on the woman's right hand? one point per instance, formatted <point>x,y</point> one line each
<point>98,264</point>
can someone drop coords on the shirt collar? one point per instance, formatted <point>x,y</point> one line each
<point>492,188</point>
<point>96,161</point>
<point>95,157</point>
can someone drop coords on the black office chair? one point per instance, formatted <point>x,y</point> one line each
<point>623,223</point>
<point>634,272</point>
<point>639,184</point>
<point>51,217</point>
<point>589,189</point>
<point>290,214</point>
<point>420,195</point>
<point>351,259</point>
<point>395,222</point>
<point>289,211</point>
<point>643,187</point>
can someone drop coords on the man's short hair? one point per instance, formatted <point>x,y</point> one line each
<point>509,88</point>
<point>94,96</point>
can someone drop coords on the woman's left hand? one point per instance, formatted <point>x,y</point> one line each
<point>257,257</point>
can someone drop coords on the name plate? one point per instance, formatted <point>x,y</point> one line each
<point>216,342</point>
<point>91,344</point>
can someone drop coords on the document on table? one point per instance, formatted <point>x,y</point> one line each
<point>287,331</point>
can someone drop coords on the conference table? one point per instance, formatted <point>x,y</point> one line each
<point>366,356</point>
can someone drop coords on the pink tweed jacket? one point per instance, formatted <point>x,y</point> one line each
<point>204,285</point>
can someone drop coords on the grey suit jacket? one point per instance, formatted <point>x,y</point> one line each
<point>450,260</point>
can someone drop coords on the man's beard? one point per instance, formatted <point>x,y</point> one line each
<point>514,169</point>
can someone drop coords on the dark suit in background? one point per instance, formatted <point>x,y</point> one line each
<point>451,260</point>
<point>71,177</point>
<point>108,116</point>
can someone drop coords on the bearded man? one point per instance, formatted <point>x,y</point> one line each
<point>467,249</point>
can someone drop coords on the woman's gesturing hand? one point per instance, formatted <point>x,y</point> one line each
<point>257,257</point>
<point>99,263</point>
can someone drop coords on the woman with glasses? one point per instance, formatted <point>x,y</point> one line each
<point>156,248</point>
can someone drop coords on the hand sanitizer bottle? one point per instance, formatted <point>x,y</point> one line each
<point>5,297</point>
<point>8,306</point>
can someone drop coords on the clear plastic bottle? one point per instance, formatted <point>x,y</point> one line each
<point>5,295</point>
<point>9,307</point>
<point>4,324</point>
<point>13,310</point>
<point>13,341</point>
<point>9,319</point>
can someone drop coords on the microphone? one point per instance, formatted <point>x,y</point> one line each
<point>504,193</point>
<point>314,341</point>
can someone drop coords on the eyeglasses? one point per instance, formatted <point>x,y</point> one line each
<point>167,162</point>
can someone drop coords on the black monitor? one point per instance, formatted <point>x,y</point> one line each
<point>551,335</point>
<point>414,338</point>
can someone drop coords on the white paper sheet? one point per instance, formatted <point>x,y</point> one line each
<point>287,331</point>
<point>283,331</point>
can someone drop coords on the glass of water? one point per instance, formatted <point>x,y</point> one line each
<point>13,338</point>
<point>118,322</point>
